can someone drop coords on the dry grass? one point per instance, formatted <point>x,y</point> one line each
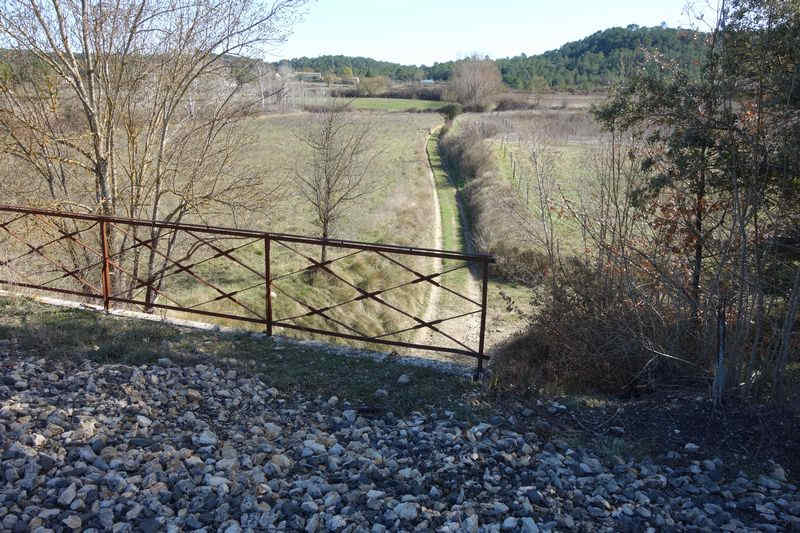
<point>570,136</point>
<point>398,211</point>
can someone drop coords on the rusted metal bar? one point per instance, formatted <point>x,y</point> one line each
<point>268,284</point>
<point>106,266</point>
<point>370,295</point>
<point>255,320</point>
<point>119,267</point>
<point>445,349</point>
<point>226,295</point>
<point>311,267</point>
<point>320,312</point>
<point>225,253</point>
<point>361,295</point>
<point>48,289</point>
<point>203,236</point>
<point>188,270</point>
<point>432,322</point>
<point>429,278</point>
<point>8,222</point>
<point>36,249</point>
<point>233,232</point>
<point>72,272</point>
<point>484,297</point>
<point>54,262</point>
<point>406,250</point>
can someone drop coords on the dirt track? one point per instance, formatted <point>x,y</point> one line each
<point>466,329</point>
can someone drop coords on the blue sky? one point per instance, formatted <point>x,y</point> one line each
<point>425,31</point>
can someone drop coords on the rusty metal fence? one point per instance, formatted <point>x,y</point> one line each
<point>237,275</point>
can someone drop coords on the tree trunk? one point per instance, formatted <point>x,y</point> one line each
<point>697,264</point>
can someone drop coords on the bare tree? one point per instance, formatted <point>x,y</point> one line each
<point>335,175</point>
<point>475,80</point>
<point>129,108</point>
<point>542,160</point>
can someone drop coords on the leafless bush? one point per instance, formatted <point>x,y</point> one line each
<point>475,80</point>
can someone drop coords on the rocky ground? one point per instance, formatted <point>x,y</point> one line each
<point>164,447</point>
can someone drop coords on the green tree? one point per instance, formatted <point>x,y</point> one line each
<point>720,152</point>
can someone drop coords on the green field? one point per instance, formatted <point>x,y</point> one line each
<point>396,104</point>
<point>569,172</point>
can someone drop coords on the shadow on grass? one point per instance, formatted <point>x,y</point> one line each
<point>40,330</point>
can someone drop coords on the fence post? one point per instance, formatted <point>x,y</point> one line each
<point>484,295</point>
<point>106,266</point>
<point>268,283</point>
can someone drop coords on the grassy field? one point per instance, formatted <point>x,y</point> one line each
<point>396,211</point>
<point>396,104</point>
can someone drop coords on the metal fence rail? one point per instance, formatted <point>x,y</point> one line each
<point>168,266</point>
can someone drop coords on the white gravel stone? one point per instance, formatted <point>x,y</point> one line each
<point>206,438</point>
<point>238,455</point>
<point>529,526</point>
<point>272,431</point>
<point>67,495</point>
<point>406,510</point>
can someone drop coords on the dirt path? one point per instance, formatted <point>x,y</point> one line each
<point>424,335</point>
<point>466,329</point>
<point>472,324</point>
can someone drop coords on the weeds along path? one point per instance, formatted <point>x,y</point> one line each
<point>452,228</point>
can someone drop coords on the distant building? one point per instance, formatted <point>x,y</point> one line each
<point>426,82</point>
<point>308,76</point>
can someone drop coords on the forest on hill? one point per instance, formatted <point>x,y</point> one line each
<point>587,64</point>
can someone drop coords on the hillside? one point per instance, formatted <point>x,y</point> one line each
<point>345,66</point>
<point>600,58</point>
<point>587,64</point>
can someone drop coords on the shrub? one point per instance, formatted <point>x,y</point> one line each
<point>451,111</point>
<point>415,92</point>
<point>513,103</point>
<point>466,155</point>
<point>589,336</point>
<point>477,108</point>
<point>350,92</point>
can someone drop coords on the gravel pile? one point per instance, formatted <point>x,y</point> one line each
<point>90,447</point>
